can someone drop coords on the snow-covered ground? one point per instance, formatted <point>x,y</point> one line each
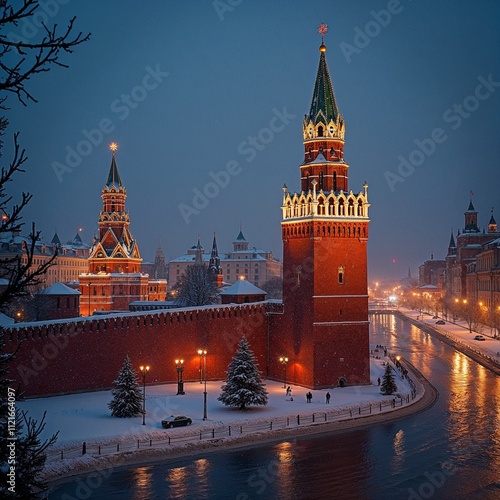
<point>85,417</point>
<point>459,331</point>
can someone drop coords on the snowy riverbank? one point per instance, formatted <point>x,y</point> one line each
<point>112,442</point>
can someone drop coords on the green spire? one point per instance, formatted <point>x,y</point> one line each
<point>323,105</point>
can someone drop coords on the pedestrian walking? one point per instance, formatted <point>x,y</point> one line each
<point>328,398</point>
<point>378,380</point>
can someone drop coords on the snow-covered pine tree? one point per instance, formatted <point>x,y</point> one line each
<point>244,386</point>
<point>127,398</point>
<point>388,385</point>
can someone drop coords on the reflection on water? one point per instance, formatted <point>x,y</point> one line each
<point>399,451</point>
<point>177,478</point>
<point>142,478</point>
<point>456,444</point>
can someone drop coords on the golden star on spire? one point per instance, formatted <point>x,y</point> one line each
<point>113,147</point>
<point>322,30</point>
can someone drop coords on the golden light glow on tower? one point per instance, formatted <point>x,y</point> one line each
<point>113,147</point>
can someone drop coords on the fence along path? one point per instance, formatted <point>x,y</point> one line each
<point>224,431</point>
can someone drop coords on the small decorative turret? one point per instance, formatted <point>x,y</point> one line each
<point>214,265</point>
<point>240,243</point>
<point>198,256</point>
<point>492,225</point>
<point>471,219</point>
<point>452,247</point>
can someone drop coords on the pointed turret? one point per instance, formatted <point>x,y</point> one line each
<point>240,243</point>
<point>214,265</point>
<point>323,105</point>
<point>471,219</point>
<point>55,240</point>
<point>492,225</point>
<point>113,174</point>
<point>198,259</point>
<point>452,247</point>
<point>160,268</point>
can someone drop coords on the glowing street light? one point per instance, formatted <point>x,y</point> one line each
<point>144,370</point>
<point>179,363</point>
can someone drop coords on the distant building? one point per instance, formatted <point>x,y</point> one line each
<point>56,302</point>
<point>114,277</point>
<point>462,256</point>
<point>255,265</point>
<point>431,272</point>
<point>71,260</point>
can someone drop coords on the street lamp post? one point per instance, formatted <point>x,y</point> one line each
<point>200,352</point>
<point>204,352</point>
<point>284,361</point>
<point>179,363</point>
<point>144,370</point>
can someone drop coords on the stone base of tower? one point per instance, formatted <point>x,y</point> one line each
<point>328,355</point>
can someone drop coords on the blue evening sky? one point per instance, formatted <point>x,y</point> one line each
<point>183,87</point>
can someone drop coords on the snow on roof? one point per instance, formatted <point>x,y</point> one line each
<point>252,255</point>
<point>243,287</point>
<point>59,289</point>
<point>6,320</point>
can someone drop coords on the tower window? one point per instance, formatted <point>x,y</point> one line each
<point>341,274</point>
<point>320,131</point>
<point>335,181</point>
<point>321,180</point>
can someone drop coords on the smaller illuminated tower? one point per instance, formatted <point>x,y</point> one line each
<point>114,278</point>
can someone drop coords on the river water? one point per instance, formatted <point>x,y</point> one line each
<point>450,451</point>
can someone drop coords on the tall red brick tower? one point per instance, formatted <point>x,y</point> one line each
<point>324,330</point>
<point>114,278</point>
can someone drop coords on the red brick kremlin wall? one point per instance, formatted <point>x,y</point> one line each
<point>86,353</point>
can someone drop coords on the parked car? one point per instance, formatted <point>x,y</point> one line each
<point>178,421</point>
<point>479,337</point>
<point>440,322</point>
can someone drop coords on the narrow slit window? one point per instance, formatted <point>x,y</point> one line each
<point>341,274</point>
